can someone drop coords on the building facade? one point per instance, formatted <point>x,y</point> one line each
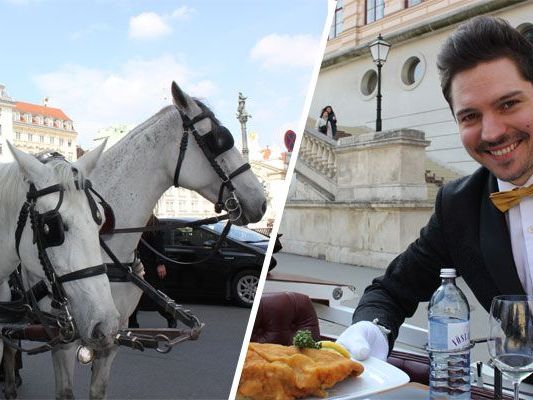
<point>410,83</point>
<point>35,128</point>
<point>6,123</point>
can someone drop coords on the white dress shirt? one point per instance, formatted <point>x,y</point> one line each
<point>520,222</point>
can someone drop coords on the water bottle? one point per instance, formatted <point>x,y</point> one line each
<point>449,340</point>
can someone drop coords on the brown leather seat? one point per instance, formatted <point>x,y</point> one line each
<point>281,315</point>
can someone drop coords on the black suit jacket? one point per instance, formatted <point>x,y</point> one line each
<point>465,232</point>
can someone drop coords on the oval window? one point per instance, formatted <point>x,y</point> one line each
<point>369,82</point>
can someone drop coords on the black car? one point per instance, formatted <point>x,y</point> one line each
<point>232,272</point>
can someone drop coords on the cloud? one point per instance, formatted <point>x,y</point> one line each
<point>274,51</point>
<point>95,98</point>
<point>150,25</point>
<point>182,13</point>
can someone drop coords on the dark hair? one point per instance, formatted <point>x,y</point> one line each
<point>325,109</point>
<point>479,40</point>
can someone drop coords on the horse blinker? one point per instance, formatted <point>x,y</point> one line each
<point>51,229</point>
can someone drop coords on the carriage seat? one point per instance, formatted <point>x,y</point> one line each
<point>281,315</point>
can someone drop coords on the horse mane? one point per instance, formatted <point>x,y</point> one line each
<point>140,129</point>
<point>14,185</point>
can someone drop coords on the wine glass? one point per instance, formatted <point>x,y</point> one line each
<point>511,337</point>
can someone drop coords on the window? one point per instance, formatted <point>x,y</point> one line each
<point>375,9</point>
<point>336,26</point>
<point>0,130</point>
<point>52,140</point>
<point>412,72</point>
<point>0,148</point>
<point>411,3</point>
<point>169,205</point>
<point>369,82</point>
<point>30,137</point>
<point>17,135</point>
<point>61,141</point>
<point>192,237</point>
<point>41,138</point>
<point>69,143</point>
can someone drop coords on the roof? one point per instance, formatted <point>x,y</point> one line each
<point>41,110</point>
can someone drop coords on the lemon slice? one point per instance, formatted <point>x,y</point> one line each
<point>335,347</point>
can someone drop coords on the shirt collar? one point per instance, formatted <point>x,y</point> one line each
<point>502,185</point>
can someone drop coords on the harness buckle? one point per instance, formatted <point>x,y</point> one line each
<point>232,202</point>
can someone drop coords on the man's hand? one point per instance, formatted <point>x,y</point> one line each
<point>364,339</point>
<point>161,271</point>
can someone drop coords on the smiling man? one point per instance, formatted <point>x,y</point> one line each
<point>486,70</point>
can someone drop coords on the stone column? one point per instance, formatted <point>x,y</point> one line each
<point>242,116</point>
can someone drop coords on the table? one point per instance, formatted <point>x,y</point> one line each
<point>417,391</point>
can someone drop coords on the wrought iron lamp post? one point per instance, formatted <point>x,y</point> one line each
<point>379,50</point>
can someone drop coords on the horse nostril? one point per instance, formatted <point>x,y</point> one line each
<point>264,207</point>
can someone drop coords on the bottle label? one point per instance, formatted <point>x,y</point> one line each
<point>448,336</point>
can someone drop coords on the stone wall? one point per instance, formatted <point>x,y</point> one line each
<point>373,207</point>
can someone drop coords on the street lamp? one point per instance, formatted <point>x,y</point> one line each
<point>379,50</point>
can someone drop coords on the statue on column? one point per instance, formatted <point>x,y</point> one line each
<point>242,117</point>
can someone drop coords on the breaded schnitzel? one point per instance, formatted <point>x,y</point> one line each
<point>276,372</point>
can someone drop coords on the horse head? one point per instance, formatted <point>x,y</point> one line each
<point>209,163</point>
<point>59,241</point>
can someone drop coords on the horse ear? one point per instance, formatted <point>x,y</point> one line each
<point>30,166</point>
<point>179,96</point>
<point>88,161</point>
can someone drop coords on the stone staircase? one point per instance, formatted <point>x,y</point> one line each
<point>436,176</point>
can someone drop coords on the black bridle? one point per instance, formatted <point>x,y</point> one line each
<point>215,142</point>
<point>49,231</point>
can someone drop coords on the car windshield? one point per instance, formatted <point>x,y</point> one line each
<point>239,233</point>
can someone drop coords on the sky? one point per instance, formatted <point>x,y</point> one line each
<point>109,62</point>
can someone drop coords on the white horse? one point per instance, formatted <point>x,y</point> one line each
<point>69,240</point>
<point>134,173</point>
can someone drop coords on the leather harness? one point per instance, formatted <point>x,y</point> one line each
<point>212,144</point>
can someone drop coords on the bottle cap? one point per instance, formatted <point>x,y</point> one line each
<point>448,273</point>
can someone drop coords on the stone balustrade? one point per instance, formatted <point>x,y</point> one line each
<point>318,152</point>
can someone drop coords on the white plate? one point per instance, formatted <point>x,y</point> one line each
<point>378,376</point>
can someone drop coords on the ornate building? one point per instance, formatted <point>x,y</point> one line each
<point>34,128</point>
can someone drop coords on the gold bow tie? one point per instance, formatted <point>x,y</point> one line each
<point>503,201</point>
